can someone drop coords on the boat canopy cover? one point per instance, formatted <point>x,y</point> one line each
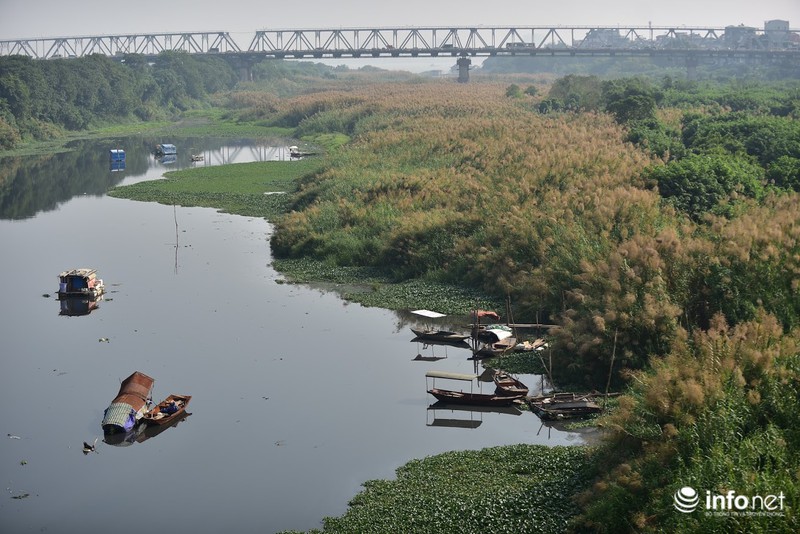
<point>119,414</point>
<point>135,389</point>
<point>428,313</point>
<point>83,272</point>
<point>452,376</point>
<point>499,331</point>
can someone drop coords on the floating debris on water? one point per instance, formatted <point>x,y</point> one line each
<point>87,448</point>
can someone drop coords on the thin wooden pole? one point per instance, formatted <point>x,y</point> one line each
<point>610,368</point>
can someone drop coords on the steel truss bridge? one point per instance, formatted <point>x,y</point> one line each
<point>737,42</point>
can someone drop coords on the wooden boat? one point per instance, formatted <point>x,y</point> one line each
<point>450,396</point>
<point>497,348</point>
<point>168,410</point>
<point>129,405</point>
<point>479,399</point>
<point>81,282</point>
<point>492,333</point>
<point>563,406</point>
<point>441,336</point>
<point>508,385</point>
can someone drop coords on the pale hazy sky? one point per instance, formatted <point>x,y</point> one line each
<point>65,18</point>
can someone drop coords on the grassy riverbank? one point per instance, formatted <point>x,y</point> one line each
<point>251,189</point>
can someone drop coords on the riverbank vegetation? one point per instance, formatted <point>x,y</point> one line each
<point>45,103</point>
<point>657,224</point>
<point>250,189</point>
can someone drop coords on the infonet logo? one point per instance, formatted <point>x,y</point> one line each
<point>687,500</point>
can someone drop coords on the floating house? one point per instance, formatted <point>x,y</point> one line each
<point>166,149</point>
<point>80,283</point>
<point>129,405</point>
<point>116,158</point>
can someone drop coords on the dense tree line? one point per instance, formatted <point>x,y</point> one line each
<point>621,66</point>
<point>38,98</point>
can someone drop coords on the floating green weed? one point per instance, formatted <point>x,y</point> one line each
<point>517,488</point>
<point>242,188</point>
<point>370,287</point>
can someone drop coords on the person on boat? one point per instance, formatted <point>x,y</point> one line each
<point>170,408</point>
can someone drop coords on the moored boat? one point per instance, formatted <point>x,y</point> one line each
<point>168,410</point>
<point>496,340</point>
<point>442,336</point>
<point>563,406</point>
<point>496,348</point>
<point>505,384</point>
<point>480,399</point>
<point>129,405</point>
<point>166,149</point>
<point>81,282</point>
<point>451,396</point>
<point>436,335</point>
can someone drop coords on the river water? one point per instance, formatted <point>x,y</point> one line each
<point>298,397</point>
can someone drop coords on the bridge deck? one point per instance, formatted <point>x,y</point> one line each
<point>432,42</point>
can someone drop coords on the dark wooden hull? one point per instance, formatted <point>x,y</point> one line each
<point>156,417</point>
<point>555,408</point>
<point>498,348</point>
<point>441,336</point>
<point>507,385</point>
<point>478,399</point>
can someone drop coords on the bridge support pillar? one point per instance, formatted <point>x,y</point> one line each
<point>245,73</point>
<point>463,69</point>
<point>691,67</point>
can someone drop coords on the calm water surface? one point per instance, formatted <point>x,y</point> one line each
<point>297,396</point>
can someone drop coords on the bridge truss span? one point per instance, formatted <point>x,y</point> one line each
<point>117,45</point>
<point>426,41</point>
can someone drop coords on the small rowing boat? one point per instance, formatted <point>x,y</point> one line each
<point>167,410</point>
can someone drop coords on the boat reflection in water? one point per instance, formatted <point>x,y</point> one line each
<point>472,415</point>
<point>431,345</point>
<point>77,306</point>
<point>140,433</point>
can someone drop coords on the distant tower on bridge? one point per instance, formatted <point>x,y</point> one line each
<point>463,69</point>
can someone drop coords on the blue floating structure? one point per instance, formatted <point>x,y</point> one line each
<point>166,149</point>
<point>116,158</point>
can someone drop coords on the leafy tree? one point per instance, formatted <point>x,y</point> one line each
<point>630,99</point>
<point>785,173</point>
<point>654,136</point>
<point>514,91</point>
<point>763,137</point>
<point>699,184</point>
<point>578,93</point>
